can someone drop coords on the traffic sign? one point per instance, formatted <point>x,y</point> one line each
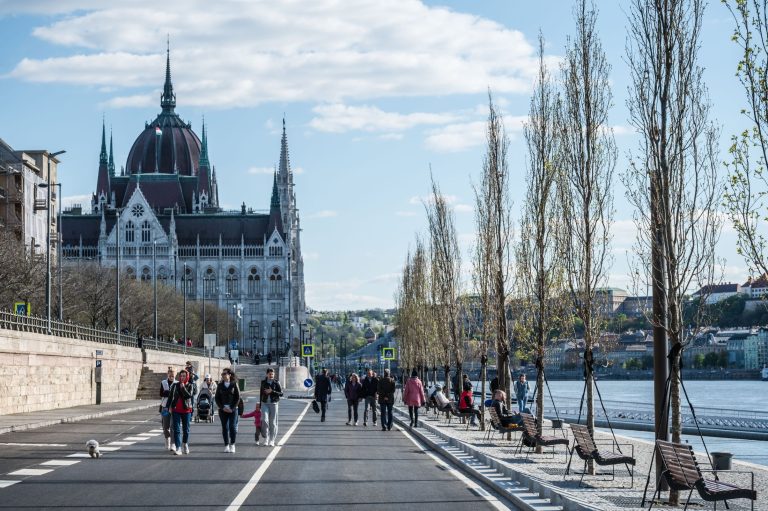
<point>388,353</point>
<point>308,350</point>
<point>209,340</point>
<point>98,363</point>
<point>308,383</point>
<point>233,345</point>
<point>22,308</point>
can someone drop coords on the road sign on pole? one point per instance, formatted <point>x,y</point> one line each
<point>22,308</point>
<point>388,353</point>
<point>209,341</point>
<point>308,350</point>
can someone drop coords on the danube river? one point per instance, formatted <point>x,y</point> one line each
<point>724,395</point>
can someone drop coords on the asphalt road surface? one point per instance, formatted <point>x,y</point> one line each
<point>314,466</point>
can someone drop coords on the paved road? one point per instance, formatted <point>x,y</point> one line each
<point>319,466</point>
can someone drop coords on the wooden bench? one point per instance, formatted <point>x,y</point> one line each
<point>496,425</point>
<point>682,472</point>
<point>532,438</point>
<point>586,448</point>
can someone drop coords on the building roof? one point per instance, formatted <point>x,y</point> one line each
<point>760,282</point>
<point>710,289</point>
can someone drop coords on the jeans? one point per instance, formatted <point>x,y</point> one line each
<point>167,425</point>
<point>521,404</point>
<point>370,401</point>
<point>413,413</point>
<point>181,428</point>
<point>269,420</point>
<point>352,405</point>
<point>229,427</point>
<point>386,416</point>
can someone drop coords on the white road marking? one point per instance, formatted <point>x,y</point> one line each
<point>133,422</point>
<point>137,438</point>
<point>496,503</point>
<point>121,443</point>
<point>256,477</point>
<point>155,430</point>
<point>59,463</point>
<point>6,484</point>
<point>110,449</point>
<point>79,455</point>
<point>148,435</point>
<point>30,472</point>
<point>12,444</point>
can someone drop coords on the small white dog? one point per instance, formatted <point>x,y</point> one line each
<point>93,448</point>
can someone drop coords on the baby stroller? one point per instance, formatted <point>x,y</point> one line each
<point>204,406</point>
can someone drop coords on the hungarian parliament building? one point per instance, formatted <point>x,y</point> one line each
<point>165,203</point>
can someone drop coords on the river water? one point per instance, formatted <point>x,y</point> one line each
<point>729,395</point>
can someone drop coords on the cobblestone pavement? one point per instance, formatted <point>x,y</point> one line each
<point>599,491</point>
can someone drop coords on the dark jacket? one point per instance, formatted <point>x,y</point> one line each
<point>353,391</point>
<point>322,388</point>
<point>370,386</point>
<point>227,396</point>
<point>274,396</point>
<point>386,390</point>
<point>179,391</point>
<point>494,385</point>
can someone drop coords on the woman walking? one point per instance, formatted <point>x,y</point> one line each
<point>270,400</point>
<point>165,391</point>
<point>180,398</point>
<point>413,397</point>
<point>227,400</point>
<point>353,391</point>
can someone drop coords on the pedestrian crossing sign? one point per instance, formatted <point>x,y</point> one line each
<point>388,353</point>
<point>22,308</point>
<point>308,350</point>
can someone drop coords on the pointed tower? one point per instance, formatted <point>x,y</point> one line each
<point>203,176</point>
<point>285,178</point>
<point>102,183</point>
<point>275,216</point>
<point>168,98</point>
<point>111,163</point>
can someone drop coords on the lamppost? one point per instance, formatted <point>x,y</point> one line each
<point>59,249</point>
<point>117,271</point>
<point>154,285</point>
<point>184,285</point>
<point>48,244</point>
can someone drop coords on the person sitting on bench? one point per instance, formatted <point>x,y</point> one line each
<point>443,405</point>
<point>507,419</point>
<point>466,403</point>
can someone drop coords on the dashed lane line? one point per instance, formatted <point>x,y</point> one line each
<point>119,443</point>
<point>256,477</point>
<point>6,484</point>
<point>30,472</point>
<point>59,463</point>
<point>79,455</point>
<point>17,444</point>
<point>137,438</point>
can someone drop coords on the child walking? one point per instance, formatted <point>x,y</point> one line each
<point>256,414</point>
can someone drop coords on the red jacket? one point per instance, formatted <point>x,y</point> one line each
<point>256,414</point>
<point>413,393</point>
<point>465,400</point>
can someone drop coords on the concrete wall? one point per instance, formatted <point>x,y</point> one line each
<point>42,372</point>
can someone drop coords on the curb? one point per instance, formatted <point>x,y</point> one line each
<point>538,486</point>
<point>77,418</point>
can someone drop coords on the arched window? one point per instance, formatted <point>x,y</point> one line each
<point>129,273</point>
<point>209,283</point>
<point>276,282</point>
<point>254,282</point>
<point>146,274</point>
<point>253,331</point>
<point>146,232</point>
<point>188,282</point>
<point>130,231</point>
<point>232,287</point>
<point>162,275</point>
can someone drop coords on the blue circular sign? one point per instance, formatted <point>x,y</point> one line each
<point>308,382</point>
<point>488,402</point>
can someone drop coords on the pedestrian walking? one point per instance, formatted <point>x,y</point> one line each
<point>270,396</point>
<point>413,397</point>
<point>323,391</point>
<point>180,398</point>
<point>353,391</point>
<point>167,419</point>
<point>386,391</point>
<point>227,400</point>
<point>256,414</point>
<point>370,385</point>
<point>521,392</point>
<point>467,403</point>
<point>257,359</point>
<point>269,358</point>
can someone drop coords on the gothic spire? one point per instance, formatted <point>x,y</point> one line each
<point>275,196</point>
<point>168,98</point>
<point>204,149</point>
<point>285,163</point>
<point>103,154</point>
<point>111,164</point>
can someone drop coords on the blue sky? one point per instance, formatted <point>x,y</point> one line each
<point>374,93</point>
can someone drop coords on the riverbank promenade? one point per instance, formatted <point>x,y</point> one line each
<point>542,476</point>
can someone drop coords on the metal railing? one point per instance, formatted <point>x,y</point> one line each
<point>39,325</point>
<point>154,344</point>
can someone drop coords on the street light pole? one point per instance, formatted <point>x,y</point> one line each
<point>48,243</point>
<point>154,284</point>
<point>184,284</point>
<point>117,272</point>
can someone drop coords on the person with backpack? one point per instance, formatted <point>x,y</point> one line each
<point>270,393</point>
<point>413,397</point>
<point>370,385</point>
<point>323,391</point>
<point>228,401</point>
<point>386,391</point>
<point>521,392</point>
<point>180,397</point>
<point>353,391</point>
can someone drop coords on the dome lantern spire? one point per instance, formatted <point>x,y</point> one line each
<point>168,98</point>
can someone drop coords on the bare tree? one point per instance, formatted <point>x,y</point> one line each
<point>672,180</point>
<point>492,257</point>
<point>747,186</point>
<point>22,273</point>
<point>446,277</point>
<point>539,265</point>
<point>587,158</point>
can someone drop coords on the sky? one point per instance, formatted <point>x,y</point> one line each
<point>375,95</point>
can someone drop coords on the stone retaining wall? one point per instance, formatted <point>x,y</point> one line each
<point>41,372</point>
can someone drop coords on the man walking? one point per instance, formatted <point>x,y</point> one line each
<point>270,396</point>
<point>521,392</point>
<point>386,391</point>
<point>370,386</point>
<point>323,391</point>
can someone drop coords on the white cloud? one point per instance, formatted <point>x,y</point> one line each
<point>350,293</point>
<point>339,118</point>
<point>462,136</point>
<point>463,208</point>
<point>232,54</point>
<point>405,213</point>
<point>624,233</point>
<point>430,199</point>
<point>72,200</point>
<point>325,213</point>
<point>261,170</point>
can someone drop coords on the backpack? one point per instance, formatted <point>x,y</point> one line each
<point>240,407</point>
